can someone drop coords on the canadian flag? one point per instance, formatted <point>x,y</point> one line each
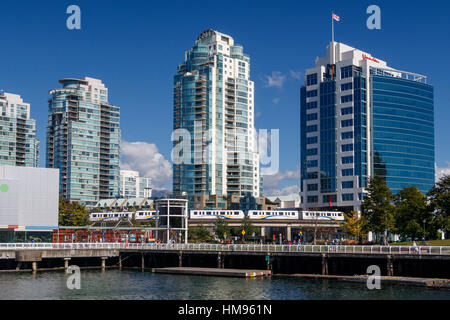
<point>336,17</point>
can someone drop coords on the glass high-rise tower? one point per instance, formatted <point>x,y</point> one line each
<point>361,118</point>
<point>214,103</point>
<point>83,140</point>
<point>18,143</point>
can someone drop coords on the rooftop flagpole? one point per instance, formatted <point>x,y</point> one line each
<point>332,27</point>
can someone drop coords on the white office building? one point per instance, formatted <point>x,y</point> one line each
<point>28,199</point>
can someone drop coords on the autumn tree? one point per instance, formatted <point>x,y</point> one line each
<point>354,225</point>
<point>72,214</point>
<point>377,208</point>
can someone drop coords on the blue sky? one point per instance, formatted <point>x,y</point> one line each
<point>135,46</point>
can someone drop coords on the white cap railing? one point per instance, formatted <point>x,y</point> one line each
<point>333,249</point>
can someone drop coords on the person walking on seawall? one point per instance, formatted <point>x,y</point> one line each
<point>416,249</point>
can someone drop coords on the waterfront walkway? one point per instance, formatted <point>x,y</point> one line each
<point>244,248</point>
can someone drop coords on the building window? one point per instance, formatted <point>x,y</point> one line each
<point>347,98</point>
<point>311,79</point>
<point>346,86</point>
<point>347,172</point>
<point>346,123</point>
<point>311,117</point>
<point>347,197</point>
<point>311,93</point>
<point>311,105</point>
<point>347,147</point>
<point>348,110</point>
<point>312,128</point>
<point>347,184</point>
<point>312,175</point>
<point>313,199</point>
<point>312,163</point>
<point>346,72</point>
<point>347,135</point>
<point>313,187</point>
<point>347,160</point>
<point>311,152</point>
<point>311,140</point>
<point>329,198</point>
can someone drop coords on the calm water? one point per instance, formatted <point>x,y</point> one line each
<point>130,284</point>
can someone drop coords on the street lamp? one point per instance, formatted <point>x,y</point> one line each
<point>423,239</point>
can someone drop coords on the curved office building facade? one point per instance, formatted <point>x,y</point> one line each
<point>403,132</point>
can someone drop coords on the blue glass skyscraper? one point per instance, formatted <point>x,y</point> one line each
<point>361,118</point>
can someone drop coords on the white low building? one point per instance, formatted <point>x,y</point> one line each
<point>28,198</point>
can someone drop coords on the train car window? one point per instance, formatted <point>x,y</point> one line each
<point>222,212</point>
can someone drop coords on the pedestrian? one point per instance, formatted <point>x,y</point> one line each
<point>416,249</point>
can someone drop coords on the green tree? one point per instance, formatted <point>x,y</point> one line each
<point>411,210</point>
<point>72,214</point>
<point>377,208</point>
<point>354,225</point>
<point>248,227</point>
<point>439,197</point>
<point>199,233</point>
<point>221,227</point>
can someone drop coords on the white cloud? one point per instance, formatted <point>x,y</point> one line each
<point>297,75</point>
<point>276,100</point>
<point>145,158</point>
<point>294,189</point>
<point>277,79</point>
<point>440,172</point>
<point>272,182</point>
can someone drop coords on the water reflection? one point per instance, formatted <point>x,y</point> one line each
<point>131,284</point>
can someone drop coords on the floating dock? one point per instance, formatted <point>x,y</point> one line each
<point>239,273</point>
<point>423,282</point>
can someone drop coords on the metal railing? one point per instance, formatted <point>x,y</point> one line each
<point>333,249</point>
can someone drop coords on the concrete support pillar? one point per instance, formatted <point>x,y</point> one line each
<point>120,262</point>
<point>324,264</point>
<point>219,260</point>
<point>66,263</point>
<point>180,259</point>
<point>288,233</point>
<point>104,263</point>
<point>263,231</point>
<point>142,262</point>
<point>390,266</point>
<point>34,266</point>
